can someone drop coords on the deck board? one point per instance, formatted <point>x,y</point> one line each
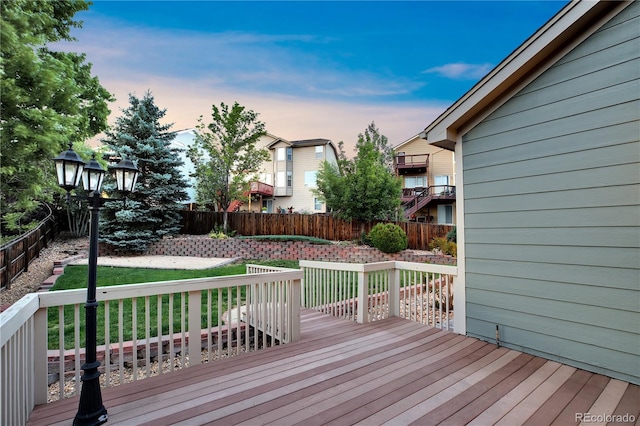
<point>342,373</point>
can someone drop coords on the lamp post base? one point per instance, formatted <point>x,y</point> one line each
<point>91,411</point>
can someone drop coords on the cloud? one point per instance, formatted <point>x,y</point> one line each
<point>461,71</point>
<point>299,94</point>
<point>288,116</point>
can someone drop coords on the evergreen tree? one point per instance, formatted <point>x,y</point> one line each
<point>152,210</point>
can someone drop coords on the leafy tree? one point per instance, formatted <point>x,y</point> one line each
<point>225,156</point>
<point>49,99</point>
<point>152,210</point>
<point>363,188</point>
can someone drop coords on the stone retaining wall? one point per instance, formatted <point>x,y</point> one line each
<point>247,248</point>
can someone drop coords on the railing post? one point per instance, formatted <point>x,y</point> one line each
<point>459,304</point>
<point>195,339</point>
<point>363,297</point>
<point>394,292</point>
<point>40,361</point>
<point>294,311</point>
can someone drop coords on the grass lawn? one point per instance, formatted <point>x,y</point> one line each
<point>75,277</point>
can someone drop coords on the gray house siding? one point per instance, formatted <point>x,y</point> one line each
<point>552,209</point>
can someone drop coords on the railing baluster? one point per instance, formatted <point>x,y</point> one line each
<point>61,368</point>
<point>76,345</point>
<point>209,343</point>
<point>158,336</point>
<point>107,345</point>
<point>147,334</point>
<point>183,337</point>
<point>171,333</point>
<point>120,340</point>
<point>220,323</point>
<point>134,337</point>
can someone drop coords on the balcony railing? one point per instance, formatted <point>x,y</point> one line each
<point>259,188</point>
<point>253,311</point>
<point>405,164</point>
<point>416,198</point>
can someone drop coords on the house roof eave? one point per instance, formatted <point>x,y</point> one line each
<point>529,56</point>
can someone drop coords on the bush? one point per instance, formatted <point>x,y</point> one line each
<point>444,246</point>
<point>217,233</point>
<point>452,235</point>
<point>388,238</point>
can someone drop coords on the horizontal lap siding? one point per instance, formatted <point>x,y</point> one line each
<point>552,209</point>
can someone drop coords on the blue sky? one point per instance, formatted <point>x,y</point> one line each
<point>310,69</point>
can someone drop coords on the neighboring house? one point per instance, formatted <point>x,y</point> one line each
<point>292,174</point>
<point>548,188</point>
<point>183,140</point>
<point>283,182</point>
<point>428,181</point>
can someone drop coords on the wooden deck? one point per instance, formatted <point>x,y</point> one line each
<point>342,373</point>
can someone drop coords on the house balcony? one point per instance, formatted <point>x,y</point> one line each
<point>411,164</point>
<point>414,199</point>
<point>263,189</point>
<point>331,343</point>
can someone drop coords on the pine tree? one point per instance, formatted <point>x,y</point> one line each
<point>152,210</point>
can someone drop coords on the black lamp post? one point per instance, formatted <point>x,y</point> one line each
<point>70,169</point>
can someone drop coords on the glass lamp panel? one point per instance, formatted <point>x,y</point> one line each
<point>126,174</point>
<point>69,173</point>
<point>126,180</point>
<point>92,179</point>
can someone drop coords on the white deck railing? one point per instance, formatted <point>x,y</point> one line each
<point>269,302</point>
<point>231,315</point>
<point>372,291</point>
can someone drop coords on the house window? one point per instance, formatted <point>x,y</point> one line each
<point>280,180</point>
<point>289,178</point>
<point>289,154</point>
<point>265,178</point>
<point>317,204</point>
<point>441,184</point>
<point>445,214</point>
<point>310,179</point>
<point>320,152</point>
<point>415,181</point>
<point>280,154</point>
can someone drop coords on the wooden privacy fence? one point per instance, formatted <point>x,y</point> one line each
<point>320,226</point>
<point>16,255</point>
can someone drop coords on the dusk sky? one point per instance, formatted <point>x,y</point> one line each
<point>310,69</point>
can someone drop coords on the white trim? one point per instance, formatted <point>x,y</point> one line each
<point>459,281</point>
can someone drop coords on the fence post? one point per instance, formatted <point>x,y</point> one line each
<point>195,339</point>
<point>394,292</point>
<point>363,297</point>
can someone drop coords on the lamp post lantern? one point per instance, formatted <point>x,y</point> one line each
<point>70,169</point>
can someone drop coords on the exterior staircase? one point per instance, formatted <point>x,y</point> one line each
<point>427,195</point>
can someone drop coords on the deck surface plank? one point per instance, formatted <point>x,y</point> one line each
<point>341,373</point>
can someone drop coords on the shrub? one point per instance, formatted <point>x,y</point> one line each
<point>444,246</point>
<point>452,235</point>
<point>388,238</point>
<point>217,233</point>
